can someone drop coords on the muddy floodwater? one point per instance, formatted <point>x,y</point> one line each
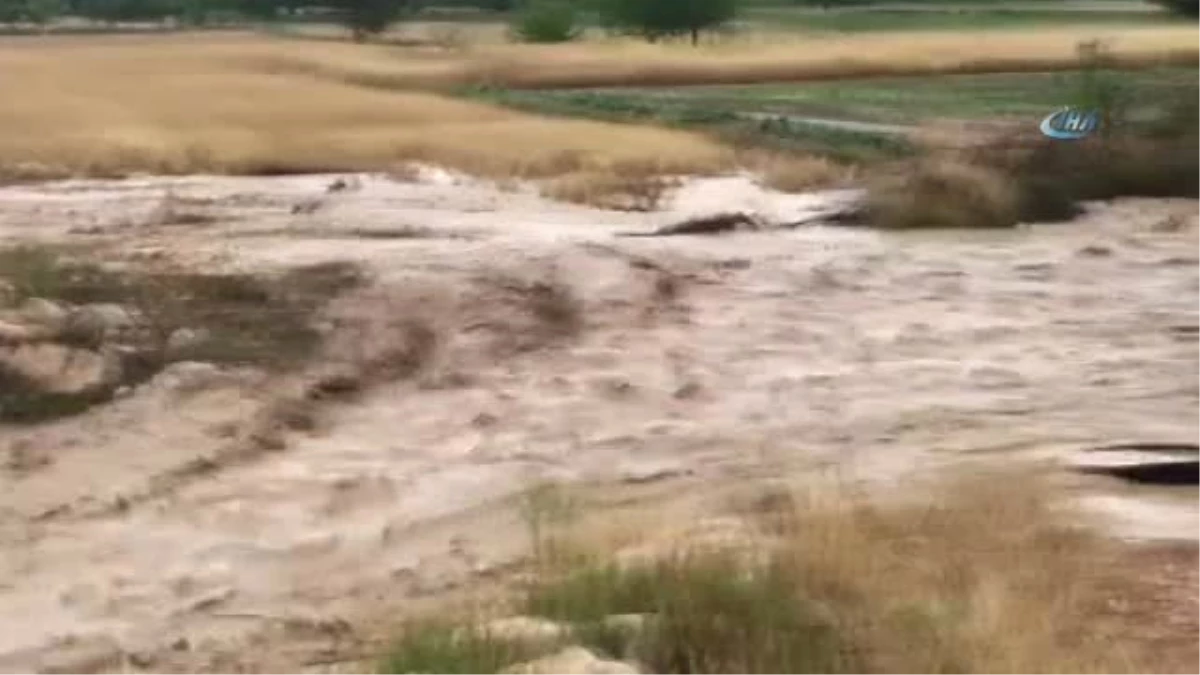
<point>699,360</point>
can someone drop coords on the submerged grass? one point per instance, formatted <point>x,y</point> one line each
<point>229,318</point>
<point>707,614</point>
<point>445,648</point>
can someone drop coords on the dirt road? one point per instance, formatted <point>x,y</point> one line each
<point>698,362</point>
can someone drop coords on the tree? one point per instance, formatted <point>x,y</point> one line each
<point>126,10</point>
<point>367,17</point>
<point>546,21</point>
<point>1182,7</point>
<point>655,19</point>
<point>12,11</point>
<point>42,12</point>
<point>38,12</point>
<point>258,9</point>
<point>496,5</point>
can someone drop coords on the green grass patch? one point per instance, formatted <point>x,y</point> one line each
<point>444,648</point>
<point>772,116</point>
<point>725,119</point>
<point>907,100</point>
<point>707,613</point>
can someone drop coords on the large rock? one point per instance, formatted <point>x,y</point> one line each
<point>59,369</point>
<point>16,333</point>
<point>98,322</point>
<point>572,661</point>
<point>183,341</point>
<point>42,312</point>
<point>8,294</point>
<point>188,377</point>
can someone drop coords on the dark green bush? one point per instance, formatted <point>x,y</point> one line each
<point>1181,7</point>
<point>546,21</point>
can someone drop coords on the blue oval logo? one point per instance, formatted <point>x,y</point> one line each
<point>1070,124</point>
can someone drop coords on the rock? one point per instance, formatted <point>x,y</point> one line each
<point>96,323</point>
<point>527,630</point>
<point>186,377</point>
<point>688,391</point>
<point>1095,251</point>
<point>15,333</point>
<point>1174,222</point>
<point>43,312</point>
<point>631,628</point>
<point>24,458</point>
<point>651,472</point>
<point>206,601</point>
<point>81,655</point>
<point>8,294</point>
<point>484,420</point>
<point>65,370</point>
<point>572,661</point>
<point>141,660</point>
<point>183,340</point>
<point>627,623</point>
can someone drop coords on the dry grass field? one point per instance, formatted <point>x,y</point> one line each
<point>217,107</point>
<point>241,104</point>
<point>981,574</point>
<point>750,58</point>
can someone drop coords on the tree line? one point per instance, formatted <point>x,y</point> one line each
<point>532,20</point>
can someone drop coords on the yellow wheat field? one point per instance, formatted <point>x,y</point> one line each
<point>749,59</point>
<point>78,108</point>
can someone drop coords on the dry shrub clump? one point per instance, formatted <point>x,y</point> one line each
<point>1020,177</point>
<point>936,192</point>
<point>986,577</point>
<point>980,575</point>
<point>1052,177</point>
<point>625,186</point>
<point>798,173</point>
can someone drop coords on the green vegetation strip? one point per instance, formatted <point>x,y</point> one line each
<point>882,19</point>
<point>727,121</point>
<point>898,100</point>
